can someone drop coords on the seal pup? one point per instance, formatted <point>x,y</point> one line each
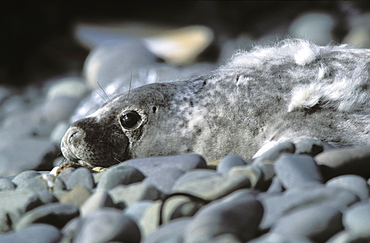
<point>291,91</point>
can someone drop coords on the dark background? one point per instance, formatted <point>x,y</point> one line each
<point>37,40</point>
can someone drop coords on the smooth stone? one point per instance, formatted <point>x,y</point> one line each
<point>39,233</point>
<point>22,178</point>
<point>229,238</point>
<point>149,165</point>
<point>164,179</point>
<point>277,205</point>
<point>213,187</point>
<point>6,185</point>
<point>96,201</point>
<point>316,222</point>
<point>58,109</point>
<point>277,238</point>
<point>54,183</point>
<point>149,221</point>
<point>311,147</point>
<point>117,175</point>
<point>26,154</point>
<point>239,217</point>
<point>358,37</point>
<point>80,177</point>
<point>170,232</point>
<point>108,224</point>
<point>46,197</point>
<point>193,175</point>
<point>77,196</point>
<point>252,172</point>
<point>296,171</point>
<point>133,193</point>
<point>356,219</point>
<point>315,26</point>
<point>356,184</point>
<point>66,174</point>
<point>229,161</point>
<point>276,186</point>
<point>71,229</point>
<point>353,160</point>
<point>137,210</point>
<point>55,214</point>
<point>274,152</point>
<point>58,132</point>
<point>36,184</point>
<point>69,86</point>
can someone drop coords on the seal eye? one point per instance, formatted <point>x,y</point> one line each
<point>130,119</point>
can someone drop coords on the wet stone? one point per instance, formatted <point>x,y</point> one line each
<point>239,217</point>
<point>353,183</point>
<point>40,233</point>
<point>297,171</point>
<point>55,214</point>
<point>82,177</point>
<point>228,162</point>
<point>356,219</point>
<point>150,165</point>
<point>316,222</point>
<point>106,225</point>
<point>119,175</point>
<point>164,179</point>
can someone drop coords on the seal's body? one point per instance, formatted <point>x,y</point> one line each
<point>292,91</point>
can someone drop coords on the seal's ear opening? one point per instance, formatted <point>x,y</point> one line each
<point>130,120</point>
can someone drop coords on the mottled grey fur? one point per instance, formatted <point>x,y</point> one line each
<point>292,91</point>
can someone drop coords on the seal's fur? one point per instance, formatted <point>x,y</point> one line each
<point>292,91</point>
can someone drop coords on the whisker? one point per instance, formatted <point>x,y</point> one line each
<point>106,95</point>
<point>129,87</point>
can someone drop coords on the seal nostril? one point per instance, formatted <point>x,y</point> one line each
<point>73,135</point>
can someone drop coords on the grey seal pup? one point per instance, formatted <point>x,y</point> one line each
<point>290,91</point>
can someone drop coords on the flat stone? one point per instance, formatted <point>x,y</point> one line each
<point>170,232</point>
<point>228,162</point>
<point>39,233</point>
<point>297,171</point>
<point>77,196</point>
<point>119,175</point>
<point>274,152</point>
<point>164,179</point>
<point>239,217</point>
<point>96,201</point>
<point>356,184</point>
<point>356,219</point>
<point>183,162</point>
<point>55,214</point>
<point>133,193</point>
<point>336,162</point>
<point>26,154</point>
<point>108,224</point>
<point>82,177</point>
<point>316,222</point>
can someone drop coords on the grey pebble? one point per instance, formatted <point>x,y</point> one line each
<point>137,210</point>
<point>297,171</point>
<point>193,175</point>
<point>252,172</point>
<point>58,108</point>
<point>119,175</point>
<point>82,177</point>
<point>97,200</point>
<point>353,183</point>
<point>108,224</point>
<point>55,214</point>
<point>37,183</point>
<point>274,152</point>
<point>239,217</point>
<point>6,184</point>
<point>40,233</point>
<point>135,192</point>
<point>316,222</point>
<point>164,179</point>
<point>356,219</point>
<point>311,147</point>
<point>150,165</point>
<point>27,154</point>
<point>170,232</point>
<point>229,161</point>
<point>22,178</point>
<point>336,162</point>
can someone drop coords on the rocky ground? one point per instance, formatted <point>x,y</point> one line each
<point>304,192</point>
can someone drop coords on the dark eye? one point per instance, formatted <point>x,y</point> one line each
<point>130,119</point>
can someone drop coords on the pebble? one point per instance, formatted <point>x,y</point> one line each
<point>297,171</point>
<point>356,184</point>
<point>228,162</point>
<point>274,152</point>
<point>171,232</point>
<point>55,214</point>
<point>150,165</point>
<point>344,161</point>
<point>119,175</point>
<point>108,225</point>
<point>356,219</point>
<point>77,196</point>
<point>316,222</point>
<point>58,108</point>
<point>40,233</point>
<point>6,184</point>
<point>311,147</point>
<point>164,179</point>
<point>99,199</point>
<point>69,86</point>
<point>80,177</point>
